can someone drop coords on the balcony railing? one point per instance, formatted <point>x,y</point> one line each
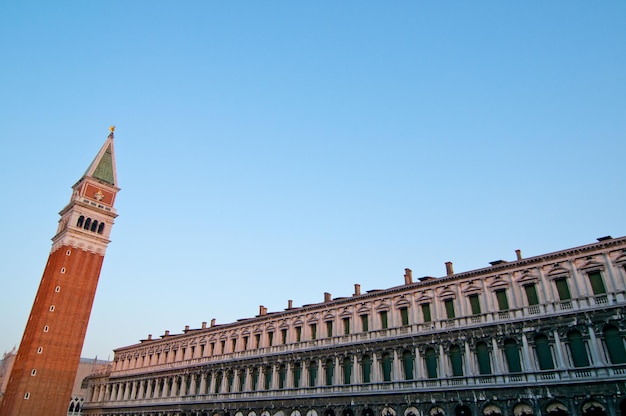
<point>607,373</point>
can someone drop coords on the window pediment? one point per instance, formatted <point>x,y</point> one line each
<point>556,269</point>
<point>527,276</point>
<point>446,293</point>
<point>470,288</point>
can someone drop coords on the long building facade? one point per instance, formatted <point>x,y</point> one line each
<point>543,335</point>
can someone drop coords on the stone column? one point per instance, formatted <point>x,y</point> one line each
<point>560,364</point>
<point>467,362</point>
<point>375,371</point>
<point>202,389</point>
<point>165,389</point>
<point>526,354</point>
<point>357,373</point>
<point>596,357</point>
<point>419,365</point>
<point>338,376</point>
<point>212,384</point>
<point>397,367</point>
<point>321,379</point>
<point>289,378</point>
<point>139,395</point>
<point>126,391</point>
<point>497,363</point>
<point>441,363</point>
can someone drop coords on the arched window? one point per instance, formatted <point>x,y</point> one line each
<point>456,361</point>
<point>101,228</point>
<point>87,223</point>
<point>407,364</point>
<point>282,376</point>
<point>330,371</point>
<point>577,349</point>
<point>297,373</point>
<point>218,382</point>
<point>482,356</point>
<point>255,379</point>
<point>268,378</point>
<point>230,380</point>
<point>366,364</point>
<point>312,373</point>
<point>511,352</point>
<point>347,370</point>
<point>614,345</point>
<point>431,362</point>
<point>386,364</point>
<point>94,226</point>
<point>544,353</point>
<point>81,221</point>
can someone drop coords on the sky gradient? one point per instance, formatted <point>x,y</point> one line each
<point>270,151</point>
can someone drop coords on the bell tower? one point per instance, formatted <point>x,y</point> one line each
<point>47,360</point>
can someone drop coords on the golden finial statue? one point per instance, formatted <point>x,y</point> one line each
<point>112,128</point>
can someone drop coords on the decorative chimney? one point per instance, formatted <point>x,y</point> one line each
<point>327,297</point>
<point>449,268</point>
<point>408,276</point>
<point>357,289</point>
<point>262,310</point>
<point>204,325</point>
<point>290,304</point>
<point>213,322</point>
<point>518,253</point>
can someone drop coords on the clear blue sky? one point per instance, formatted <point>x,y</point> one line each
<point>278,150</point>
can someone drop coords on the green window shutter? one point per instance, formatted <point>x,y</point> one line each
<point>531,294</point>
<point>346,326</point>
<point>386,367</point>
<point>283,335</point>
<point>268,378</point>
<point>431,363</point>
<point>365,323</point>
<point>475,304</point>
<point>347,370</point>
<point>297,373</point>
<point>404,314</point>
<point>313,331</point>
<point>298,333</point>
<point>329,328</point>
<point>511,352</point>
<point>563,289</point>
<point>330,371</point>
<point>614,345</point>
<point>544,353</point>
<point>242,380</point>
<point>456,361</point>
<point>312,374</point>
<point>367,369</point>
<point>383,320</point>
<point>577,348</point>
<point>255,379</point>
<point>597,285</point>
<point>449,308</point>
<point>426,312</point>
<point>503,301</point>
<point>482,355</point>
<point>407,363</point>
<point>282,377</point>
